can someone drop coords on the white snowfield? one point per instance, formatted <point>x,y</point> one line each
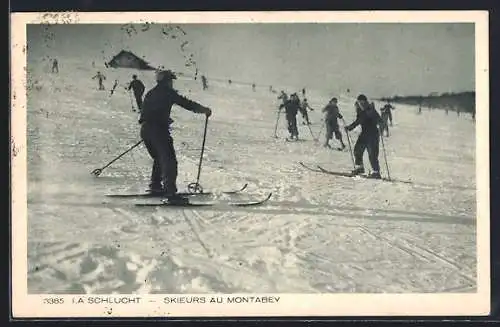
<point>317,234</point>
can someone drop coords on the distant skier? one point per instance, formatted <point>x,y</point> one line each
<point>204,82</point>
<point>292,107</point>
<point>138,88</point>
<point>283,96</point>
<point>304,92</point>
<point>332,113</point>
<point>155,121</point>
<point>115,84</point>
<point>230,82</point>
<point>55,66</point>
<point>100,78</point>
<point>386,115</point>
<point>369,138</point>
<point>304,106</point>
<point>253,87</point>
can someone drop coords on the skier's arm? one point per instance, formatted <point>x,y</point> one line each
<point>190,105</point>
<point>355,123</point>
<point>378,118</point>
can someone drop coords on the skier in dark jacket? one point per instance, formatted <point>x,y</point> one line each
<point>155,120</point>
<point>138,88</point>
<point>370,120</point>
<point>292,107</point>
<point>332,113</point>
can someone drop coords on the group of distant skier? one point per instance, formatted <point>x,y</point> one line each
<point>372,125</point>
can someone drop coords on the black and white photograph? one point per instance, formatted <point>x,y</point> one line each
<point>240,161</point>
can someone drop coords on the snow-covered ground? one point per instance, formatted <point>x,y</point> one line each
<point>317,234</point>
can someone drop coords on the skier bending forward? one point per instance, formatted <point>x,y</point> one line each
<point>368,139</point>
<point>155,120</point>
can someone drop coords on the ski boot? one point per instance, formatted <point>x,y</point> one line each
<point>358,171</point>
<point>374,175</point>
<point>155,189</point>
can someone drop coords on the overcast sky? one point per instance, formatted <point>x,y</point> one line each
<point>376,59</point>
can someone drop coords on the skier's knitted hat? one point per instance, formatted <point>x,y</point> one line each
<point>362,97</point>
<point>165,75</point>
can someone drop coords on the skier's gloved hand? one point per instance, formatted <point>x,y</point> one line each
<point>340,116</point>
<point>207,112</point>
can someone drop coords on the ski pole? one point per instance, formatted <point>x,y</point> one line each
<point>98,171</point>
<point>276,126</point>
<point>349,144</point>
<point>131,101</point>
<point>385,158</point>
<point>310,130</point>
<point>196,187</point>
<point>321,130</point>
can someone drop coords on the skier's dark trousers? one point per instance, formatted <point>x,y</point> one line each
<point>369,119</point>
<point>138,88</point>
<point>155,120</point>
<point>292,107</point>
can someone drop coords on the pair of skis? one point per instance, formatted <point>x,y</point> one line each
<point>164,202</point>
<point>320,169</point>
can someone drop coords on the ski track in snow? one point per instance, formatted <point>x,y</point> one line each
<point>317,234</point>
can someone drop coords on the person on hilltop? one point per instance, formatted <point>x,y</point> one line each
<point>204,82</point>
<point>369,120</point>
<point>55,66</point>
<point>138,88</point>
<point>155,121</point>
<point>332,113</point>
<point>100,78</point>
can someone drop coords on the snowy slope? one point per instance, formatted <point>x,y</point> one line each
<point>318,233</point>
